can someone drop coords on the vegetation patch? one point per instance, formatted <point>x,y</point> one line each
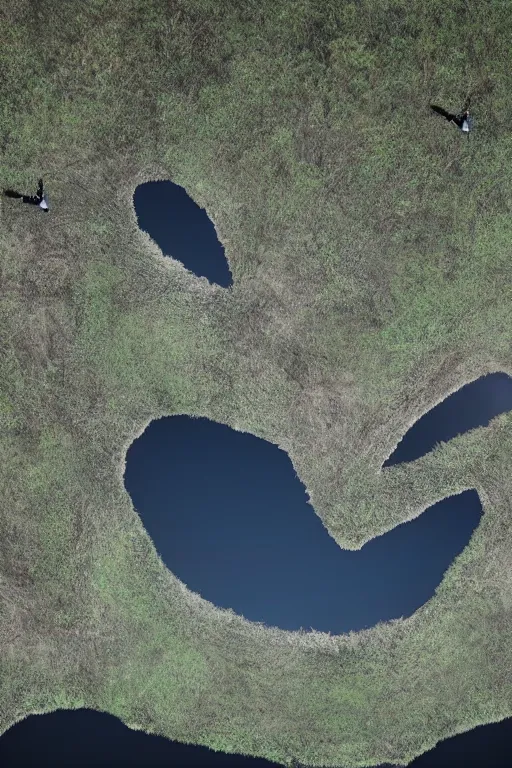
<point>369,243</point>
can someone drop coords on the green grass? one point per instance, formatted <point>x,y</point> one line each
<point>370,247</point>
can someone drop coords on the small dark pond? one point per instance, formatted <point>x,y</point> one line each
<point>473,405</point>
<point>230,518</point>
<point>87,739</point>
<point>181,229</point>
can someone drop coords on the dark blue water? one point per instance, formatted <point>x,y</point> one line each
<point>86,739</point>
<point>181,229</point>
<point>474,405</point>
<point>230,518</point>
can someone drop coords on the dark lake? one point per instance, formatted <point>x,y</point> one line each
<point>230,518</point>
<point>474,405</point>
<point>181,229</point>
<point>87,739</point>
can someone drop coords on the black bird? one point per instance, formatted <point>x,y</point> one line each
<point>463,121</point>
<point>38,199</point>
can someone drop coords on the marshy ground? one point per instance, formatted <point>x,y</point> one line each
<point>369,245</point>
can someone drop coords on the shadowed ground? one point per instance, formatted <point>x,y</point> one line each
<point>370,253</point>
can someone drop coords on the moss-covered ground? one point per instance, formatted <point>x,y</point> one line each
<point>371,249</point>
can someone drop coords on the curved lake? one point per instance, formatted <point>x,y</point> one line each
<point>181,229</point>
<point>473,405</point>
<point>87,739</point>
<point>229,516</point>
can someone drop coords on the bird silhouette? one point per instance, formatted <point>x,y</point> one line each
<point>462,120</point>
<point>38,199</point>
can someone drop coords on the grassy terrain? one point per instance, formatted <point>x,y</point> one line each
<point>370,244</point>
